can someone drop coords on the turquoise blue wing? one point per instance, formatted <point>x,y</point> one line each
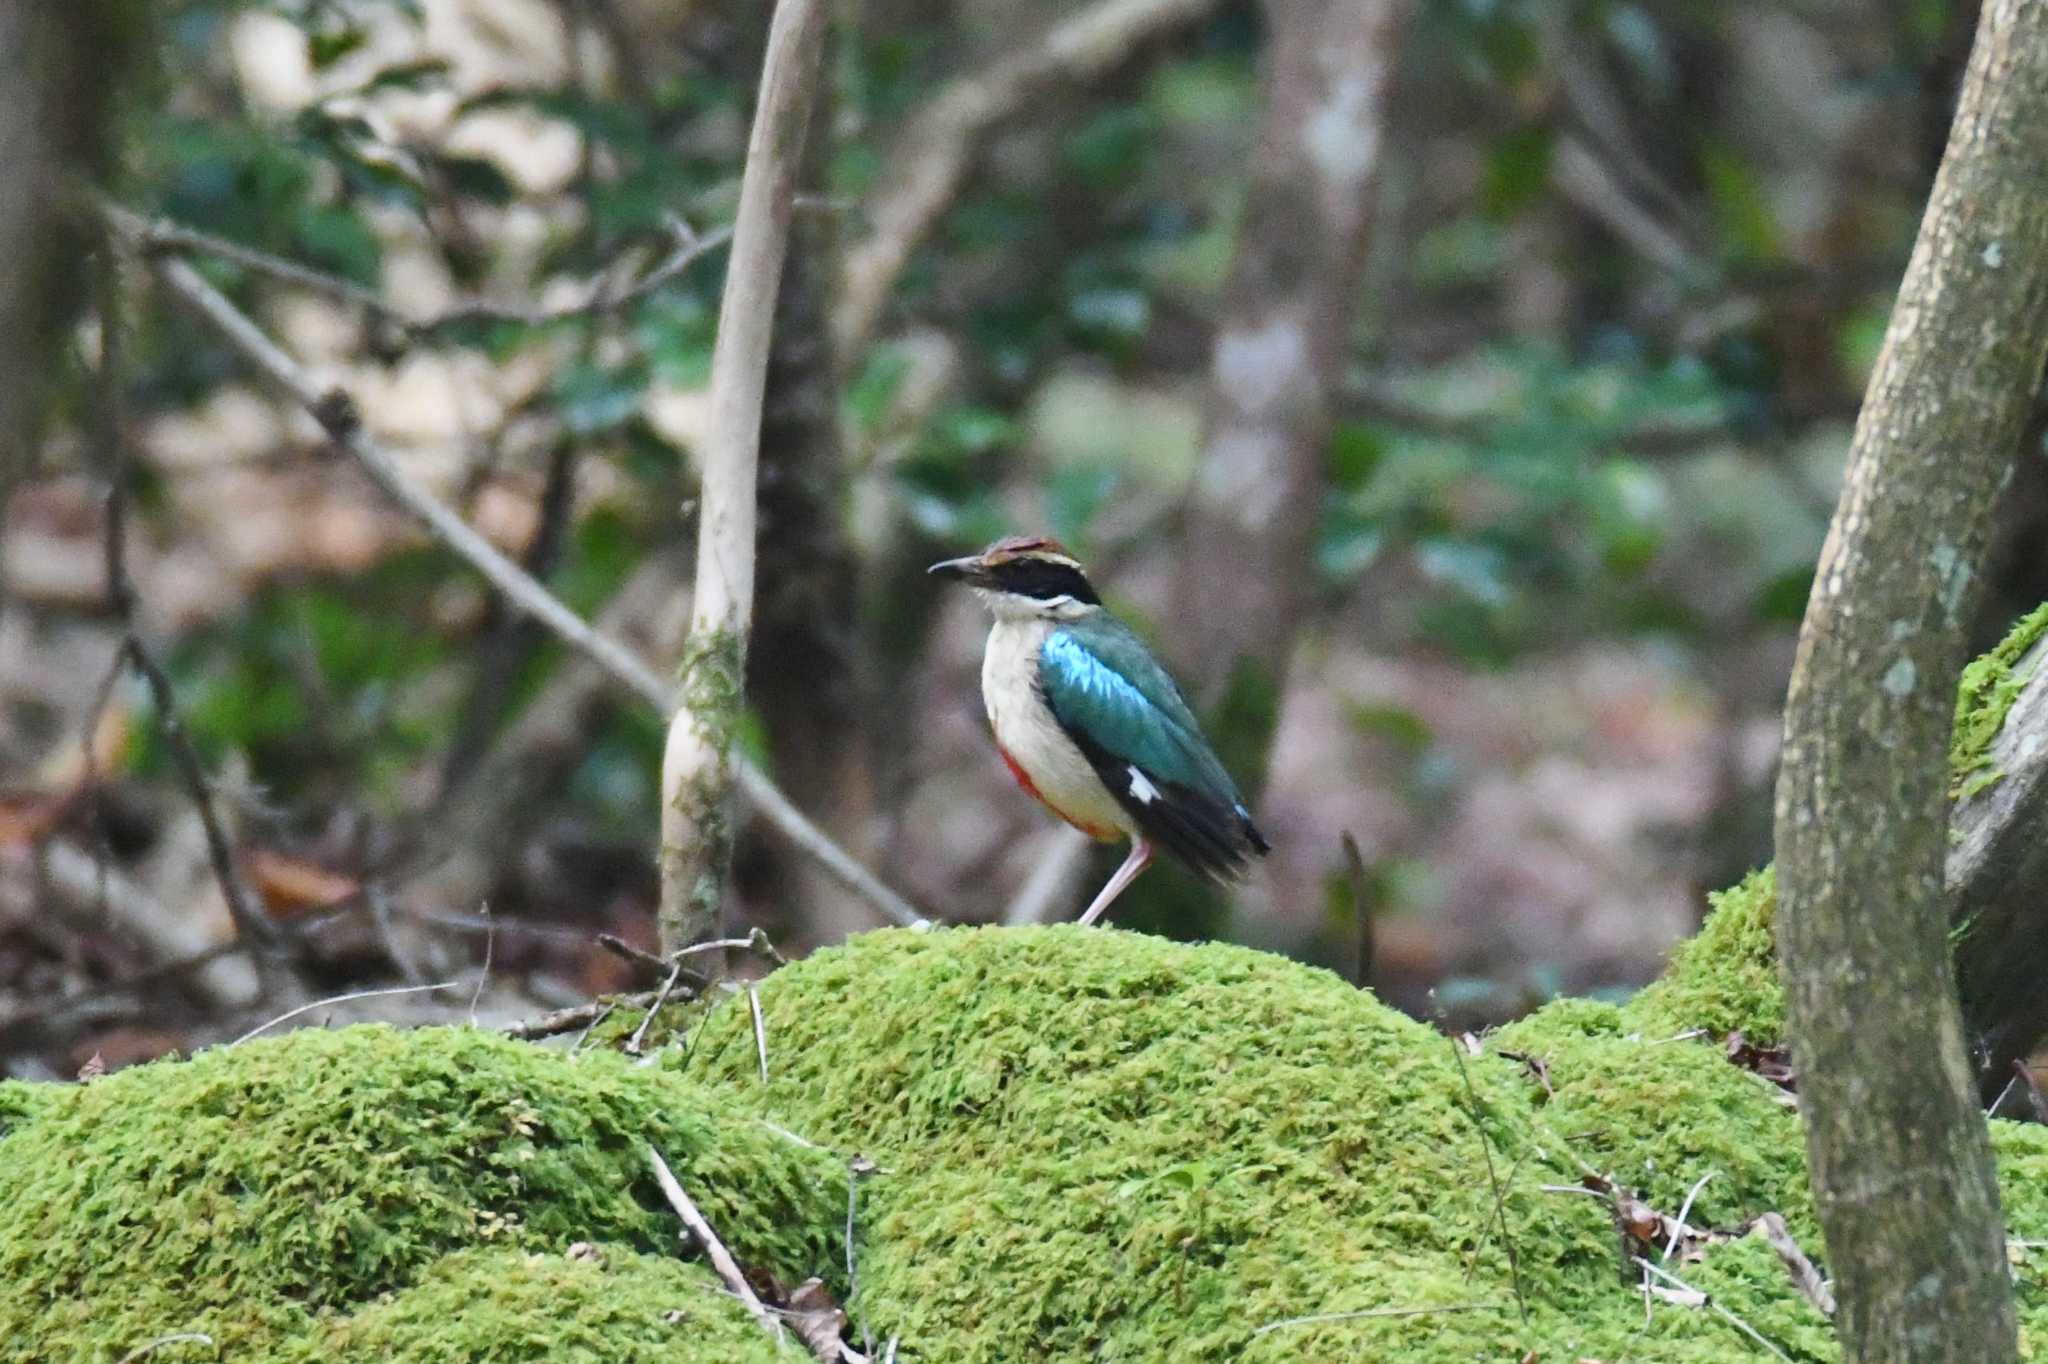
<point>1119,706</point>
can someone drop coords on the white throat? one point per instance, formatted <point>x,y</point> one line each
<point>1015,606</point>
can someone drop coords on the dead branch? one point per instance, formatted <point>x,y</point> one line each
<point>697,764</point>
<point>933,157</point>
<point>251,922</point>
<point>721,1259</point>
<point>336,413</point>
<point>559,1021</point>
<point>1805,1277</point>
<point>161,237</point>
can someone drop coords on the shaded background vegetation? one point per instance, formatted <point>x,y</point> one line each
<point>1627,270</point>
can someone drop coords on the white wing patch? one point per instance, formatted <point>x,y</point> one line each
<point>1142,789</point>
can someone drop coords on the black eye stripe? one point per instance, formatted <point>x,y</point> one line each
<point>1044,581</point>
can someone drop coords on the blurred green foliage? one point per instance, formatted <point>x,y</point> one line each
<point>1639,464</point>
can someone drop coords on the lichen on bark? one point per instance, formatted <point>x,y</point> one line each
<point>713,696</point>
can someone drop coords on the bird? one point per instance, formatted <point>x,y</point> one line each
<point>1092,725</point>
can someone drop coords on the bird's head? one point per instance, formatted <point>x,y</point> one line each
<point>1025,575</point>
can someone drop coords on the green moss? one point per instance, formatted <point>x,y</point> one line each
<point>1093,1145</point>
<point>243,1190</point>
<point>21,1101</point>
<point>1990,685</point>
<point>1106,1146</point>
<point>1656,1114</point>
<point>1725,979</point>
<point>489,1305</point>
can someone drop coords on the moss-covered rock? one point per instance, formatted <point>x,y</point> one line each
<point>249,1190</point>
<point>1725,979</point>
<point>1106,1146</point>
<point>501,1306</point>
<point>1989,687</point>
<point>1092,1146</point>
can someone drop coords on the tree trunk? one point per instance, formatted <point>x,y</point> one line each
<point>1901,1163</point>
<point>59,68</point>
<point>1279,356</point>
<point>697,766</point>
<point>804,674</point>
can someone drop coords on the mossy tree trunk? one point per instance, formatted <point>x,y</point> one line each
<point>1279,354</point>
<point>697,766</point>
<point>1901,1165</point>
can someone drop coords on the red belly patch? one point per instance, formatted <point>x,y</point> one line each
<point>1031,789</point>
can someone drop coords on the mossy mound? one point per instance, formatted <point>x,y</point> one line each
<point>1107,1146</point>
<point>499,1306</point>
<point>1092,1146</point>
<point>1724,979</point>
<point>253,1188</point>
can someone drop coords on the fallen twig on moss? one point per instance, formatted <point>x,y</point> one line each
<point>727,1268</point>
<point>576,1016</point>
<point>760,1030</point>
<point>1500,1210</point>
<point>1805,1276</point>
<point>668,986</point>
<point>144,1351</point>
<point>1706,1300</point>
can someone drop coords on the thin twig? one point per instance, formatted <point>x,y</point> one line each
<point>1500,1208</point>
<point>250,920</point>
<point>576,1016</point>
<point>1361,909</point>
<point>591,1027</point>
<point>1321,1318</point>
<point>757,938</point>
<point>248,916</point>
<point>647,1020</point>
<point>483,977</point>
<point>336,413</point>
<point>1805,1276</point>
<point>760,1030</point>
<point>353,995</point>
<point>141,1352</point>
<point>158,237</point>
<point>626,951</point>
<point>1708,1301</point>
<point>1678,1224</point>
<point>714,1249</point>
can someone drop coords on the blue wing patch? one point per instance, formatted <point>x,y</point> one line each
<point>1095,700</point>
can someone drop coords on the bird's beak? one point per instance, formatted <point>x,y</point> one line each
<point>967,570</point>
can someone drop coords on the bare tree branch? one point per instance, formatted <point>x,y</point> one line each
<point>933,157</point>
<point>696,777</point>
<point>158,236</point>
<point>335,411</point>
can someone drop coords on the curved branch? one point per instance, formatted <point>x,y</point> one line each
<point>932,159</point>
<point>1900,1159</point>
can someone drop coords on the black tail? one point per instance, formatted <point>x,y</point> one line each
<point>1214,838</point>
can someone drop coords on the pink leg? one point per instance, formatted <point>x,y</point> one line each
<point>1140,858</point>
